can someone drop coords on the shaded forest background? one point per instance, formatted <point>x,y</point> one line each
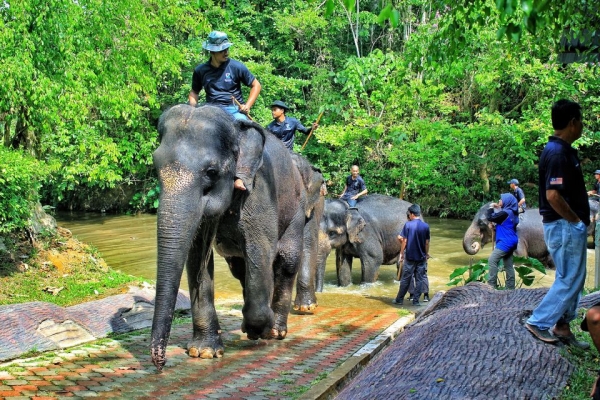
<point>437,103</point>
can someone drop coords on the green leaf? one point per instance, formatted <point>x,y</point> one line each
<point>385,14</point>
<point>350,4</point>
<point>459,272</point>
<point>527,6</point>
<point>395,18</point>
<point>329,7</point>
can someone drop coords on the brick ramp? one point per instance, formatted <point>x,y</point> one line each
<point>315,346</point>
<point>470,344</point>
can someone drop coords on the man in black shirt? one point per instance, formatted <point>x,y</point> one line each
<point>565,215</point>
<point>222,78</point>
<point>285,127</point>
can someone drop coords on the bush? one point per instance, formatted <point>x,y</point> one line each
<point>20,181</point>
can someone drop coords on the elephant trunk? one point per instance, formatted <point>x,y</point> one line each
<point>324,248</point>
<point>176,229</point>
<point>470,243</point>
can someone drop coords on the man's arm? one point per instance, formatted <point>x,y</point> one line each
<point>344,192</point>
<point>559,204</point>
<point>426,248</point>
<point>193,98</point>
<point>402,241</point>
<point>254,91</point>
<point>359,194</point>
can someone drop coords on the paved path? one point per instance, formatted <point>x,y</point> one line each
<point>319,353</point>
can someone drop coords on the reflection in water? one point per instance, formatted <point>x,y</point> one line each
<point>128,243</point>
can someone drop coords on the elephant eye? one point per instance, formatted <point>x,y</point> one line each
<point>212,173</point>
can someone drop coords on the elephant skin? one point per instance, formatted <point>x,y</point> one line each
<point>368,231</point>
<point>259,232</point>
<point>530,231</point>
<point>315,189</point>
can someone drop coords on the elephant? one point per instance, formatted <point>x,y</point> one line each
<point>259,232</point>
<point>368,231</point>
<point>530,231</point>
<point>314,185</point>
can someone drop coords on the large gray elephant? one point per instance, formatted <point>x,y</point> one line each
<point>530,231</point>
<point>315,188</point>
<point>368,231</point>
<point>259,232</point>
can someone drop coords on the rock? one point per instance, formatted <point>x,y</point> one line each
<point>40,221</point>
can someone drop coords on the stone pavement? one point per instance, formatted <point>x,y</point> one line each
<point>321,352</point>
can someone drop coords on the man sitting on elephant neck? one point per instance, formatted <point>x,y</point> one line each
<point>221,79</point>
<point>285,127</point>
<point>355,187</point>
<point>505,215</point>
<point>414,241</point>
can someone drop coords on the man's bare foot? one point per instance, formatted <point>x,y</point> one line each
<point>239,184</point>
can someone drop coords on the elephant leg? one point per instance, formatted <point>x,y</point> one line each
<point>258,290</point>
<point>285,268</point>
<point>206,341</point>
<point>343,264</point>
<point>237,267</point>
<point>324,248</point>
<point>370,264</point>
<point>306,299</point>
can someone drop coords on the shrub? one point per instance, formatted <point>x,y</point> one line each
<point>20,180</point>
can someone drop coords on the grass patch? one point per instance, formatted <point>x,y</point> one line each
<point>586,366</point>
<point>57,269</point>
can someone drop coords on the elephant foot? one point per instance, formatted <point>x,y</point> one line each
<point>305,308</point>
<point>255,333</point>
<point>279,333</point>
<point>201,349</point>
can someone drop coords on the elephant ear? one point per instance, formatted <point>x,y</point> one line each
<point>355,223</point>
<point>251,145</point>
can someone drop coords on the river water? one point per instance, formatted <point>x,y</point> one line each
<point>128,243</point>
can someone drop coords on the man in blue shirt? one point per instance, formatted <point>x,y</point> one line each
<point>565,215</point>
<point>355,187</point>
<point>222,78</point>
<point>414,252</point>
<point>519,194</point>
<point>285,127</point>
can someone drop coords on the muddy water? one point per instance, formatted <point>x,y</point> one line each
<point>128,243</point>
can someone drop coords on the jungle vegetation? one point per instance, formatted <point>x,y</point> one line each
<point>439,103</point>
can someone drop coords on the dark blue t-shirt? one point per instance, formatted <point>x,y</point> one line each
<point>285,130</point>
<point>353,186</point>
<point>559,169</point>
<point>519,194</point>
<point>221,83</point>
<point>416,233</point>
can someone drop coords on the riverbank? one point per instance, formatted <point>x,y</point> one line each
<point>56,268</point>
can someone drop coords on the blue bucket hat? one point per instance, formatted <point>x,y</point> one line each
<point>597,171</point>
<point>516,182</point>
<point>216,41</point>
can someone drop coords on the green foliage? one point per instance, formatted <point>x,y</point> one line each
<point>20,180</point>
<point>423,95</point>
<point>479,272</point>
